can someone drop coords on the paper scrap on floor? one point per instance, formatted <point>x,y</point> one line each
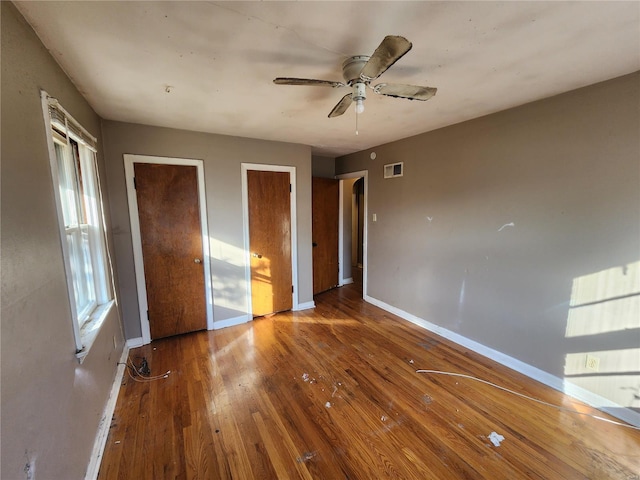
<point>496,438</point>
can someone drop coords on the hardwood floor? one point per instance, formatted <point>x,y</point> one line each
<point>333,393</point>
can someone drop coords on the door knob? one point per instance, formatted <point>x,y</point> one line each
<point>197,260</point>
<point>257,255</point>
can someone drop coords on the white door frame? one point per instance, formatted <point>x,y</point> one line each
<point>361,174</point>
<point>294,229</point>
<point>136,238</point>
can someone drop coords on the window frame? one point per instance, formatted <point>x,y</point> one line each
<point>76,142</point>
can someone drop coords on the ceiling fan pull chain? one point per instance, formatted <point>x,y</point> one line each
<point>357,115</point>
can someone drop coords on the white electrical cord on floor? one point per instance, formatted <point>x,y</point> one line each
<point>565,409</point>
<point>141,378</point>
<point>149,379</point>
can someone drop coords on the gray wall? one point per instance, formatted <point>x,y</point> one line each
<point>51,405</point>
<point>323,166</point>
<point>565,171</point>
<point>222,157</point>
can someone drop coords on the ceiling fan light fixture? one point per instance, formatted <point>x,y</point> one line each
<point>359,95</point>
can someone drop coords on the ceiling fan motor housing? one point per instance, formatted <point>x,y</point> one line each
<point>352,67</point>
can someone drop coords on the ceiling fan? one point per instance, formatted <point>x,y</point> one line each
<point>358,72</point>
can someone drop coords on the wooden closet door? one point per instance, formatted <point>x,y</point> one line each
<point>171,233</point>
<point>269,197</point>
<point>325,211</point>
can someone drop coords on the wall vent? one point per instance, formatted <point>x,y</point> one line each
<point>393,170</point>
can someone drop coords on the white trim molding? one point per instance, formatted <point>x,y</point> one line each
<point>231,322</point>
<point>135,342</point>
<point>105,421</point>
<point>136,238</point>
<point>557,383</point>
<point>305,306</point>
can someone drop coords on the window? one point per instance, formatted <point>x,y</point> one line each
<point>79,204</point>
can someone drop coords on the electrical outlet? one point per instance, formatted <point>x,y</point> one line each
<point>592,363</point>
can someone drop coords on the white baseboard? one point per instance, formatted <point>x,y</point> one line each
<point>231,322</point>
<point>105,422</point>
<point>135,342</point>
<point>346,281</point>
<point>305,306</point>
<point>530,371</point>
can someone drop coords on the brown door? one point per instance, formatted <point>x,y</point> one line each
<point>325,198</point>
<point>270,241</point>
<point>171,232</point>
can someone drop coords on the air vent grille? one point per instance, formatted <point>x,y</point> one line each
<point>393,170</point>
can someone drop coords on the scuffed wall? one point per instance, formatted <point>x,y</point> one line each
<point>51,405</point>
<point>521,231</point>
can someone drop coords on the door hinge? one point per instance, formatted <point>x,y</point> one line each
<point>289,188</point>
<point>148,315</point>
<point>291,288</point>
<point>135,185</point>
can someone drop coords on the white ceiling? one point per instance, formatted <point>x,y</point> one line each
<point>219,59</point>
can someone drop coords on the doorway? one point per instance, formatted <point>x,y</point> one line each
<point>167,211</point>
<point>325,199</point>
<point>353,227</point>
<point>357,224</point>
<point>269,210</point>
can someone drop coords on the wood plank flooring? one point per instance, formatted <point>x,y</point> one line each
<point>333,393</point>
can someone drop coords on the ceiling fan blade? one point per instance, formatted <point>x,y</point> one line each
<point>388,52</point>
<point>306,81</point>
<point>412,92</point>
<point>342,106</point>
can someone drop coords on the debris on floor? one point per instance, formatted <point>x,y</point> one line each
<point>496,438</point>
<point>306,456</point>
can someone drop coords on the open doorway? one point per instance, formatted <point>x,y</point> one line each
<point>357,230</point>
<point>353,230</point>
